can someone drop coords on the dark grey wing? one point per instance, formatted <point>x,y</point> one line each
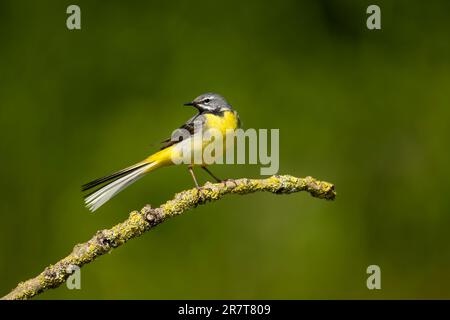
<point>189,126</point>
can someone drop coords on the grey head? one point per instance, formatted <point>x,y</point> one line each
<point>210,102</point>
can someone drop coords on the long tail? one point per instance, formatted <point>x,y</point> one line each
<point>115,183</point>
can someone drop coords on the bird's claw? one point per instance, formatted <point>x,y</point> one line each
<point>201,193</point>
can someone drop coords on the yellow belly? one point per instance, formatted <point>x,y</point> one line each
<point>225,124</point>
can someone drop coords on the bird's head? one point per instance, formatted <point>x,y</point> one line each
<point>210,102</point>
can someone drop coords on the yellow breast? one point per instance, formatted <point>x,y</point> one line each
<point>229,120</point>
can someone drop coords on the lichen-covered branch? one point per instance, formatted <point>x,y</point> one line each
<point>139,222</point>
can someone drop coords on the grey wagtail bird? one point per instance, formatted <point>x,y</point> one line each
<point>213,112</point>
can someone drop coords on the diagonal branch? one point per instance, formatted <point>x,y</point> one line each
<point>140,222</point>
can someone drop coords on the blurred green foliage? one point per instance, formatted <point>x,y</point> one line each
<point>366,110</point>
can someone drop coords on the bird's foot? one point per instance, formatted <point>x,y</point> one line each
<point>201,192</point>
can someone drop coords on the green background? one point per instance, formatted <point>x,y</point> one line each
<point>366,110</point>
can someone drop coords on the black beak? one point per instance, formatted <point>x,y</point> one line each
<point>190,104</point>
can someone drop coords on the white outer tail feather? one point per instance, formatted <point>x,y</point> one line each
<point>102,195</point>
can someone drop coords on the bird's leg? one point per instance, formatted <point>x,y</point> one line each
<point>199,189</point>
<point>193,176</point>
<point>211,174</point>
<point>217,179</point>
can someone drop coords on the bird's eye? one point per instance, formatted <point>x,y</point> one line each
<point>206,100</point>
